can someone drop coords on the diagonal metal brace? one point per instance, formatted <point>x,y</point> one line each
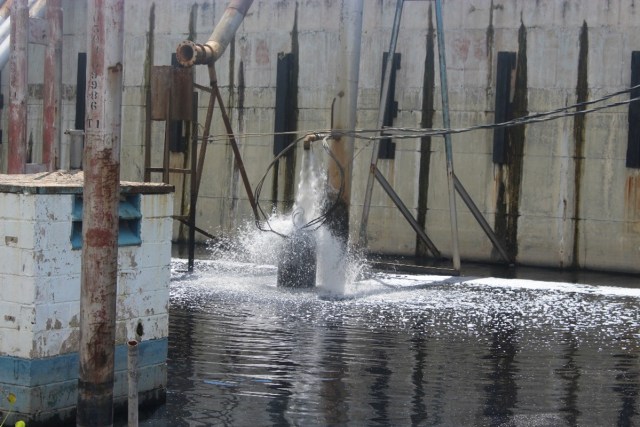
<point>480,218</point>
<point>405,212</point>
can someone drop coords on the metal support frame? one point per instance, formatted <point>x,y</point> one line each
<point>454,184</point>
<point>198,156</point>
<point>362,240</point>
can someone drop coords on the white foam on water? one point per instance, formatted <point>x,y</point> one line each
<point>554,286</point>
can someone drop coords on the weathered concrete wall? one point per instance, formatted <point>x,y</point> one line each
<point>40,301</point>
<point>567,201</point>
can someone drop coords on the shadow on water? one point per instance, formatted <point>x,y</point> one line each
<point>398,350</point>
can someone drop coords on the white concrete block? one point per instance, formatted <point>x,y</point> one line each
<point>17,288</point>
<point>17,233</point>
<point>156,206</point>
<point>53,208</point>
<point>56,316</point>
<point>16,261</point>
<point>59,289</point>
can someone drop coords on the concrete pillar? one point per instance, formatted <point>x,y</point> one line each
<point>100,208</point>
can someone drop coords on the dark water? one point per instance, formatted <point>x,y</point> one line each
<point>399,350</point>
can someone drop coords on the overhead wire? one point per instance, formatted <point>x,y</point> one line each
<point>410,133</point>
<point>388,132</point>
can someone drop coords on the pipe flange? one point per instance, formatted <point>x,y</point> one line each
<point>187,53</point>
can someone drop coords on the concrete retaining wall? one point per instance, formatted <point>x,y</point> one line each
<point>572,203</point>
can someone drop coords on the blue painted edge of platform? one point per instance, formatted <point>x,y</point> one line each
<point>36,372</point>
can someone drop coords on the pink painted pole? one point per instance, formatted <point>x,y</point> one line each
<point>100,213</point>
<point>18,90</point>
<point>52,85</point>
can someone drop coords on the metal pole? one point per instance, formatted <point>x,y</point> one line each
<point>17,156</point>
<point>236,151</point>
<point>132,374</point>
<point>362,241</point>
<point>52,85</point>
<point>100,213</point>
<point>344,115</point>
<point>447,138</point>
<point>193,193</point>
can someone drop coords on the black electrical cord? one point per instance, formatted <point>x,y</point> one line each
<point>315,223</point>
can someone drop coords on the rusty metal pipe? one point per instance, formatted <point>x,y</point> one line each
<point>132,374</point>
<point>99,271</point>
<point>189,53</point>
<point>52,85</point>
<point>18,88</point>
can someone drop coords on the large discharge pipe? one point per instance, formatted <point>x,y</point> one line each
<point>190,53</point>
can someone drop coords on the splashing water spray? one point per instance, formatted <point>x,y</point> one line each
<point>306,252</point>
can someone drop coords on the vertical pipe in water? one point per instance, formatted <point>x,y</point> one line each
<point>447,138</point>
<point>132,374</point>
<point>344,115</point>
<point>100,213</point>
<point>52,85</point>
<point>17,156</point>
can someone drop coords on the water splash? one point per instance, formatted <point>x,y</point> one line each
<point>337,268</point>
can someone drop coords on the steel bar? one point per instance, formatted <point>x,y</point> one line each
<point>132,375</point>
<point>52,103</point>
<point>362,240</point>
<point>171,170</point>
<point>480,218</point>
<point>18,81</point>
<point>193,193</point>
<point>198,229</point>
<point>167,136</point>
<point>147,132</point>
<point>99,271</point>
<point>405,212</point>
<point>205,142</point>
<point>447,138</point>
<point>236,152</point>
<point>344,113</point>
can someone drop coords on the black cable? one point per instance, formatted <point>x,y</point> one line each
<point>315,223</point>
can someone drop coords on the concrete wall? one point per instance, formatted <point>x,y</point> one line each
<point>40,302</point>
<point>572,201</point>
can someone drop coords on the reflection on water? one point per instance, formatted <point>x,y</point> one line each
<point>398,350</point>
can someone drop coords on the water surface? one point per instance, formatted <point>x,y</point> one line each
<point>398,350</point>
